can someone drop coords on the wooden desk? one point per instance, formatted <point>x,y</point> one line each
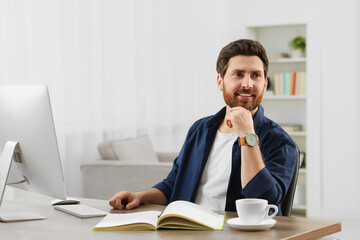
<point>59,225</point>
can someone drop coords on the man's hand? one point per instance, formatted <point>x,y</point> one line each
<point>125,200</point>
<point>241,120</point>
<point>252,162</point>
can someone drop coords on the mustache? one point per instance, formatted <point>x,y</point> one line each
<point>245,91</point>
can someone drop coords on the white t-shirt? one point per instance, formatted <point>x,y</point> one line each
<point>215,178</point>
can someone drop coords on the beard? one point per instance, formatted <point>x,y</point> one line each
<point>232,100</point>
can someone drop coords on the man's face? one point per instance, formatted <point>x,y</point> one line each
<point>244,82</point>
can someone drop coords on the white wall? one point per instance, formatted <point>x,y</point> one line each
<point>333,102</point>
<point>115,69</point>
<point>336,148</point>
<point>100,58</point>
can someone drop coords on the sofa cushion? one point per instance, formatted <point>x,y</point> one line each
<point>134,149</point>
<point>106,151</point>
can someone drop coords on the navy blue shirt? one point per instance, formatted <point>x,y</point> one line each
<point>271,183</point>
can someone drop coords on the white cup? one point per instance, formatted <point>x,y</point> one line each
<point>254,211</point>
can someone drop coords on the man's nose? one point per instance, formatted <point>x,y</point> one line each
<point>246,81</point>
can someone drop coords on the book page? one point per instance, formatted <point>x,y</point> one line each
<point>193,212</point>
<point>128,221</point>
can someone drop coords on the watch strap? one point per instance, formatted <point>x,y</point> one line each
<point>242,141</point>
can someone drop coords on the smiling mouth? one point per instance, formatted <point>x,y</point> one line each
<point>244,95</point>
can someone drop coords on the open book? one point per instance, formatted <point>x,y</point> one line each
<point>177,215</point>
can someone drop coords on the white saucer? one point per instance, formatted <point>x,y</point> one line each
<point>236,223</point>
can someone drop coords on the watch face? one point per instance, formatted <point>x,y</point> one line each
<point>251,140</point>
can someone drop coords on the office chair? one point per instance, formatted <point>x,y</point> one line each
<point>287,203</point>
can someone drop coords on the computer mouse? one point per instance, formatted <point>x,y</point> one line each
<point>65,201</point>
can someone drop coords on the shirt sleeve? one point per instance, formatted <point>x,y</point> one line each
<point>272,182</point>
<point>166,186</point>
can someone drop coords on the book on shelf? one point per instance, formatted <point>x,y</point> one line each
<point>293,83</point>
<point>177,215</point>
<point>277,56</point>
<point>289,83</point>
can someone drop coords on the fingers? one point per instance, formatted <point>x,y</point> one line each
<point>132,205</point>
<point>228,121</point>
<point>240,119</point>
<point>120,199</point>
<point>237,112</point>
<point>229,124</point>
<point>124,200</point>
<point>231,118</point>
<point>233,112</point>
<point>239,109</point>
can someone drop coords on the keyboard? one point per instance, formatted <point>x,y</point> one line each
<point>81,211</point>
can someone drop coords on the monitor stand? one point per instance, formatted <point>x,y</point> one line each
<point>12,151</point>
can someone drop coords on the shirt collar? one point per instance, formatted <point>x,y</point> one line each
<point>215,120</point>
<point>258,119</point>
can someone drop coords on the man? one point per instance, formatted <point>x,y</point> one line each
<point>236,153</point>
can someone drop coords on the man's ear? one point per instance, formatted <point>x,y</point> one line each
<point>220,82</point>
<point>266,83</point>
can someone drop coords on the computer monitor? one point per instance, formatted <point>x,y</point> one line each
<point>27,135</point>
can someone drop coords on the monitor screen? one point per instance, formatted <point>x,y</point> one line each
<point>26,118</point>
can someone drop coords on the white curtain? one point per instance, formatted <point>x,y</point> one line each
<point>117,69</point>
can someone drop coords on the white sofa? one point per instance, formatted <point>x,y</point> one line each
<point>129,164</point>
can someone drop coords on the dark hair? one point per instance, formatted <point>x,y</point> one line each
<point>245,47</point>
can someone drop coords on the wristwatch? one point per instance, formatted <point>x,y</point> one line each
<point>250,140</point>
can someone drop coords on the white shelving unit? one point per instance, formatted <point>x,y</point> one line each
<point>272,97</point>
<point>288,60</point>
<point>285,109</point>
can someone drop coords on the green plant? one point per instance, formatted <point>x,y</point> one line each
<point>298,43</point>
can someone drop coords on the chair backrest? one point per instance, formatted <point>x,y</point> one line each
<point>287,203</point>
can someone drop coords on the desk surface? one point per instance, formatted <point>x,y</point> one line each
<point>59,225</point>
